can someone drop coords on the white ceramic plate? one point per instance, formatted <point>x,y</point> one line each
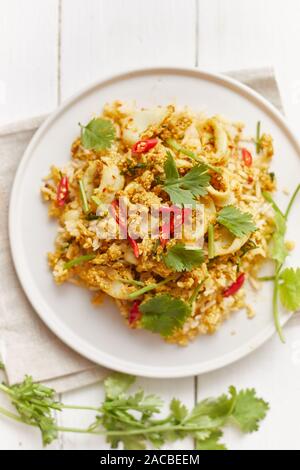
<point>99,333</point>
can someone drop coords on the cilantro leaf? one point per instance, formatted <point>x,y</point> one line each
<point>289,288</point>
<point>180,258</point>
<point>98,134</point>
<point>178,410</point>
<point>164,314</point>
<point>170,168</point>
<point>249,410</point>
<point>183,190</point>
<point>237,222</point>
<point>196,180</point>
<point>278,249</point>
<point>213,412</point>
<point>212,442</point>
<point>117,383</point>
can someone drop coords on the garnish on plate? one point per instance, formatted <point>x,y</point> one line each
<point>184,190</point>
<point>98,134</point>
<point>237,222</point>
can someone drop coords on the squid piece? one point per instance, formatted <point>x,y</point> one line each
<point>226,243</point>
<point>222,197</point>
<point>110,284</point>
<point>220,137</point>
<point>137,123</point>
<point>88,178</point>
<point>192,139</point>
<point>111,182</point>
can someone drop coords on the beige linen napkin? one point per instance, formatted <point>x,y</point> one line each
<point>27,346</point>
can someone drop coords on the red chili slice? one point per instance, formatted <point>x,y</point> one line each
<point>167,230</point>
<point>123,228</point>
<point>143,146</point>
<point>247,157</point>
<point>134,313</point>
<point>62,191</point>
<point>231,290</point>
<point>135,246</point>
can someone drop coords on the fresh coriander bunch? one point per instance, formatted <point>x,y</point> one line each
<point>133,421</point>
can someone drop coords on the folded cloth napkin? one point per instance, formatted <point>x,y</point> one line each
<point>27,346</point>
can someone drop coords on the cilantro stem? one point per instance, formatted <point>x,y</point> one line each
<point>258,138</point>
<point>150,287</point>
<point>131,432</point>
<point>275,306</point>
<point>195,293</point>
<point>211,241</point>
<point>96,200</point>
<point>175,146</point>
<point>79,260</point>
<point>85,205</point>
<point>269,199</point>
<point>132,282</point>
<point>78,407</point>
<point>291,202</point>
<point>11,415</point>
<point>266,278</point>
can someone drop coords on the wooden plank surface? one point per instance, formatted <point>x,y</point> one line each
<point>50,49</point>
<point>28,58</point>
<point>102,37</point>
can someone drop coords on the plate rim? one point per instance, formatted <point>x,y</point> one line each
<point>62,331</point>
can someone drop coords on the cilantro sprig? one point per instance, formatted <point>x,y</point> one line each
<point>130,420</point>
<point>286,282</point>
<point>237,222</point>
<point>98,134</point>
<point>181,258</point>
<point>184,190</point>
<point>164,314</point>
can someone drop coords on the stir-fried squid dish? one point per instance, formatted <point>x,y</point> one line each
<point>174,160</point>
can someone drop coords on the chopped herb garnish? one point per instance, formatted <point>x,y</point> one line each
<point>182,258</point>
<point>258,137</point>
<point>184,190</point>
<point>92,216</point>
<point>237,222</point>
<point>96,200</point>
<point>149,287</point>
<point>99,134</point>
<point>132,282</point>
<point>175,146</point>
<point>272,176</point>
<point>195,293</point>
<point>83,197</point>
<point>133,169</point>
<point>79,260</point>
<point>250,245</point>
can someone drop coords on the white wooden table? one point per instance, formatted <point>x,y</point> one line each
<point>49,49</point>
